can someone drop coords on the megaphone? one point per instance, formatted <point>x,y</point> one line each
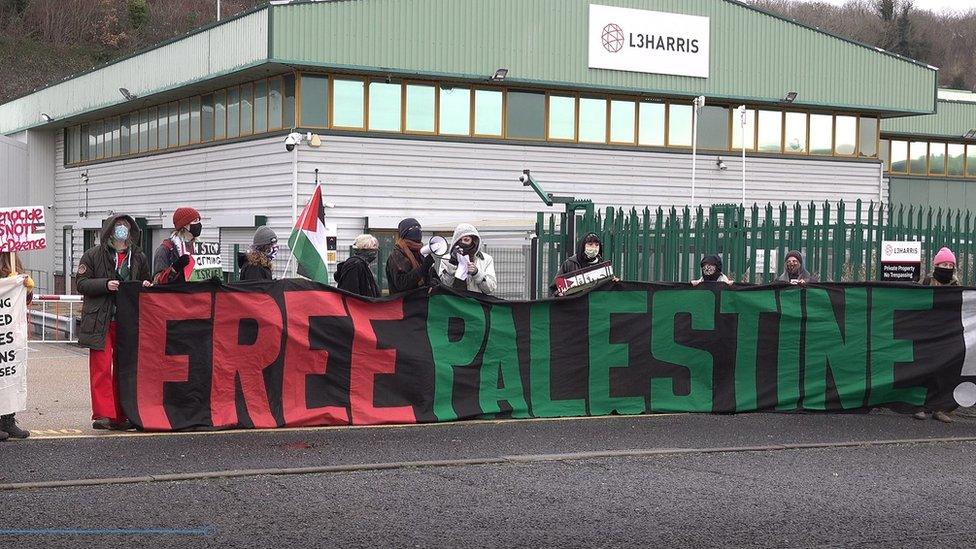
<point>436,246</point>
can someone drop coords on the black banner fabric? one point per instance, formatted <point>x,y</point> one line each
<point>297,353</point>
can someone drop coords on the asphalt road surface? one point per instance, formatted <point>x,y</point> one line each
<point>750,480</point>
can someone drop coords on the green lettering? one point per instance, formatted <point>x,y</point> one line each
<point>748,306</point>
<point>500,378</point>
<point>666,305</point>
<point>450,354</point>
<point>540,374</point>
<point>845,355</point>
<point>886,350</point>
<point>605,355</point>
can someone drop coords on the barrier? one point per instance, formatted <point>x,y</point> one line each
<point>54,318</point>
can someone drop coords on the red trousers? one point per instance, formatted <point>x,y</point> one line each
<point>101,367</point>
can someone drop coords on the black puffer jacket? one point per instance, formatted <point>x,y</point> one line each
<point>353,275</point>
<point>95,270</point>
<point>577,261</point>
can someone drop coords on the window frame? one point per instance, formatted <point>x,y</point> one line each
<point>332,102</point>
<point>403,105</point>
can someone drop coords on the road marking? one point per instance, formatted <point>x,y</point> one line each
<point>500,460</point>
<point>55,434</point>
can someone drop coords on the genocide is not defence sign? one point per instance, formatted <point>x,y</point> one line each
<point>297,353</point>
<point>22,229</point>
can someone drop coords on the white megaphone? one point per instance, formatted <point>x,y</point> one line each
<point>436,246</point>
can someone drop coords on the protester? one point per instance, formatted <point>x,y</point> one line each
<point>257,262</point>
<point>353,275</point>
<point>711,271</point>
<point>8,422</point>
<point>116,259</point>
<point>467,267</point>
<point>943,274</point>
<point>796,272</point>
<point>173,260</point>
<point>589,252</point>
<point>406,268</point>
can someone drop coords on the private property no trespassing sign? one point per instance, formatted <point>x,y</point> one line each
<point>22,229</point>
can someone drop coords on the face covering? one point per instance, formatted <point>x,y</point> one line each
<point>196,229</point>
<point>368,255</point>
<point>273,252</point>
<point>467,248</point>
<point>943,274</point>
<point>591,251</point>
<point>715,273</point>
<point>121,233</point>
<point>413,233</point>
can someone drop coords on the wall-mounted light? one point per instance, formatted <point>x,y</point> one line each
<point>720,164</point>
<point>971,134</point>
<point>790,97</point>
<point>129,96</point>
<point>499,75</point>
<point>46,117</point>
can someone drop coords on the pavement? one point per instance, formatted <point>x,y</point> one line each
<point>875,479</point>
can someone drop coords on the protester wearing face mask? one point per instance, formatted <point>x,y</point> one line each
<point>101,270</point>
<point>354,275</point>
<point>795,272</point>
<point>943,274</point>
<point>406,268</point>
<point>257,262</point>
<point>8,422</point>
<point>173,260</point>
<point>467,267</point>
<point>711,271</point>
<point>589,251</point>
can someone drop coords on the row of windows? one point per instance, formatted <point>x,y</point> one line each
<point>441,109</point>
<point>251,108</point>
<point>928,158</point>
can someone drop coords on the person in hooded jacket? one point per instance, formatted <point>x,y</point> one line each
<point>711,271</point>
<point>353,275</point>
<point>589,251</point>
<point>796,272</point>
<point>406,268</point>
<point>8,422</point>
<point>943,274</point>
<point>467,267</point>
<point>256,263</point>
<point>173,260</point>
<point>116,259</point>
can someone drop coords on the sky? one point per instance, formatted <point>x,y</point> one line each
<point>931,5</point>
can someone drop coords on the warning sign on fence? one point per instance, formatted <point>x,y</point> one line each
<point>22,229</point>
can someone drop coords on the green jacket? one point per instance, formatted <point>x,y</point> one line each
<point>95,270</point>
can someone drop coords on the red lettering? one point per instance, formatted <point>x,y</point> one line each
<point>155,367</point>
<point>368,361</point>
<point>231,359</point>
<point>301,360</point>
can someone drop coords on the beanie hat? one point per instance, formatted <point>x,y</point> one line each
<point>183,216</point>
<point>409,229</point>
<point>944,255</point>
<point>796,254</point>
<point>264,236</point>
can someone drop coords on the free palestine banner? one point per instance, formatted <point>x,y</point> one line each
<point>298,353</point>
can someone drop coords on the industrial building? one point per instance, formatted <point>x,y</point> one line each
<point>432,108</point>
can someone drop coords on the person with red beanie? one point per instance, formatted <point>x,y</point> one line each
<point>173,260</point>
<point>943,274</point>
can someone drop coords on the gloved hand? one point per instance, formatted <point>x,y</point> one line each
<point>29,283</point>
<point>181,262</point>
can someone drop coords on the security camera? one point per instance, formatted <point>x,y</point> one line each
<point>292,140</point>
<point>721,164</point>
<point>523,179</point>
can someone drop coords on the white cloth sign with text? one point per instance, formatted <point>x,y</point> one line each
<point>13,345</point>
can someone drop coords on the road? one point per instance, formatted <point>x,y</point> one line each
<point>750,480</point>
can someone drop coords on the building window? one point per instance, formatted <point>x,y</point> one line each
<point>421,106</point>
<point>134,133</point>
<point>488,113</point>
<point>650,124</point>
<point>970,160</point>
<point>153,130</point>
<point>144,131</point>
<point>845,135</point>
<point>867,136</point>
<point>384,106</point>
<point>220,115</point>
<point>592,120</point>
<point>713,128</point>
<point>163,126</point>
<point>526,116</point>
<point>195,119</point>
<point>348,99</point>
<point>99,139</point>
<point>315,101</point>
<point>917,152</point>
<point>274,104</point>
<point>770,131</point>
<point>796,133</point>
<point>124,134</point>
<point>821,134</point>
<point>116,135</point>
<point>622,117</point>
<point>937,158</point>
<point>174,124</point>
<point>899,157</point>
<point>261,106</point>
<point>957,159</point>
<point>562,118</point>
<point>233,112</point>
<point>679,125</point>
<point>885,154</point>
<point>247,109</point>
<point>454,117</point>
<point>749,130</point>
<point>207,118</point>
<point>288,101</point>
<point>184,122</point>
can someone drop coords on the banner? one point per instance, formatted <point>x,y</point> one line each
<point>297,353</point>
<point>13,345</point>
<point>22,229</point>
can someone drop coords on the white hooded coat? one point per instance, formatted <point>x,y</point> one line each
<point>484,280</point>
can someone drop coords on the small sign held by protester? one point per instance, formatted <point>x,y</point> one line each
<point>901,261</point>
<point>583,279</point>
<point>22,229</point>
<point>208,263</point>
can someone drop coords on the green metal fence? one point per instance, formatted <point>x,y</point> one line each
<point>840,243</point>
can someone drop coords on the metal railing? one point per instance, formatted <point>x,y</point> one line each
<point>54,319</point>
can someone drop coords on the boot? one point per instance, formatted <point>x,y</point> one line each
<point>920,415</point>
<point>3,436</point>
<point>942,416</point>
<point>8,424</point>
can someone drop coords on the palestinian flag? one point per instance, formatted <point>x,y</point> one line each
<point>307,240</point>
